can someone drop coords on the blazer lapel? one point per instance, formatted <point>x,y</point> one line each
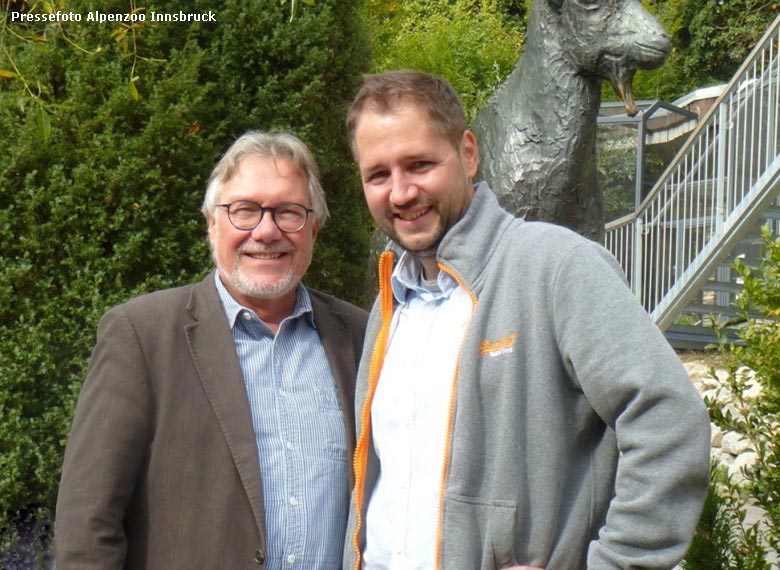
<point>214,354</point>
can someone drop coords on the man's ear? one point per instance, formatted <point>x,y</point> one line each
<point>212,229</point>
<point>469,154</point>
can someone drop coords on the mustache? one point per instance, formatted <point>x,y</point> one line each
<point>262,248</point>
<point>416,204</point>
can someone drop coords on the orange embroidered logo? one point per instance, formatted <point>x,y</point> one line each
<point>501,346</point>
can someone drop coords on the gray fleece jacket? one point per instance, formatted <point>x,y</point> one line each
<point>576,438</point>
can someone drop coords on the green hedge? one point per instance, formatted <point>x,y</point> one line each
<point>101,180</point>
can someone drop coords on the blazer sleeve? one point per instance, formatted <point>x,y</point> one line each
<point>105,450</point>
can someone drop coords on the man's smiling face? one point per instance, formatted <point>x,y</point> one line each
<point>416,183</point>
<point>264,263</point>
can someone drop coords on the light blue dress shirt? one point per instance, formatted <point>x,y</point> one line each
<point>409,415</point>
<point>300,435</point>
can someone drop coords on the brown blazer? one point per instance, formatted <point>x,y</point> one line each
<point>161,467</point>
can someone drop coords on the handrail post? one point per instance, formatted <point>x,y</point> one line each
<point>636,263</point>
<point>722,179</point>
<point>640,161</point>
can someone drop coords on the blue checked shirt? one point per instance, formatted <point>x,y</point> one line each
<point>300,435</point>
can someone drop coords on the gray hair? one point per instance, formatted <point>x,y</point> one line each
<point>267,145</point>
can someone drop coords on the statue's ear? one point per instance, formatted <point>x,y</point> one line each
<point>555,4</point>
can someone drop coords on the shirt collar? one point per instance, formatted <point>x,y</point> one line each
<point>233,309</point>
<point>407,276</point>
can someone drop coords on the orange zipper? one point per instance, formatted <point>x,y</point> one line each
<point>377,359</point>
<point>450,421</point>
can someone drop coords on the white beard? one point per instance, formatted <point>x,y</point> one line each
<point>266,291</point>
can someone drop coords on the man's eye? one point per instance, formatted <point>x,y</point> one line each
<point>377,177</point>
<point>421,165</point>
<point>288,214</point>
<point>244,210</point>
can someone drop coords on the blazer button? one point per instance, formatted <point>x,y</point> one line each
<point>259,557</point>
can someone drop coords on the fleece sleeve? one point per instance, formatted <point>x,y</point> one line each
<point>638,386</point>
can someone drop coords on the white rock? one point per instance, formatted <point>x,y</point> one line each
<point>731,410</point>
<point>734,443</point>
<point>716,435</point>
<point>711,394</point>
<point>724,458</point>
<point>753,388</point>
<point>697,370</point>
<point>715,454</point>
<point>736,469</point>
<point>709,382</point>
<point>721,374</point>
<point>746,373</point>
<point>724,396</point>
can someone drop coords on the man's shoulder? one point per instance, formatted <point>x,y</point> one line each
<point>545,241</point>
<point>160,302</point>
<point>336,305</point>
<point>549,235</point>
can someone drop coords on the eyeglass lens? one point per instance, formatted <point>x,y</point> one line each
<point>245,215</point>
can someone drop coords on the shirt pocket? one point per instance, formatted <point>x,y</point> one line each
<point>478,533</point>
<point>332,422</point>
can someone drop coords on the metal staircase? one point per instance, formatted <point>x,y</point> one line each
<point>717,188</point>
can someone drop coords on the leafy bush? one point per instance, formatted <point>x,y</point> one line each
<point>474,44</point>
<point>710,40</point>
<point>753,383</point>
<point>107,134</point>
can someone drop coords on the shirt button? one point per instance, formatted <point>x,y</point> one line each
<point>246,315</point>
<point>291,559</point>
<point>282,392</point>
<point>290,446</point>
<point>293,501</point>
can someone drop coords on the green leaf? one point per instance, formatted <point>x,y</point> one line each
<point>133,90</point>
<point>119,34</point>
<point>44,124</point>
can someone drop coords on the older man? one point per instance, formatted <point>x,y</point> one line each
<point>519,408</point>
<point>215,426</point>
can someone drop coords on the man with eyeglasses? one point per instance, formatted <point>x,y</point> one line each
<point>216,424</point>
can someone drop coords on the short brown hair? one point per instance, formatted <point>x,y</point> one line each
<point>384,92</point>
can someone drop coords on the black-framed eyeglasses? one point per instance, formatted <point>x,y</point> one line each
<point>246,215</point>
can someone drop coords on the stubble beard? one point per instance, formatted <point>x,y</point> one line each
<point>427,248</point>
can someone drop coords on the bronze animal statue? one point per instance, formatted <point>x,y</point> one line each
<point>537,133</point>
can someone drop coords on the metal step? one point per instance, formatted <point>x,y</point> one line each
<point>697,337</point>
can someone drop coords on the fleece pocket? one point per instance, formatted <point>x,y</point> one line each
<point>478,533</point>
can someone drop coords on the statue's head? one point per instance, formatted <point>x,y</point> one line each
<point>610,39</point>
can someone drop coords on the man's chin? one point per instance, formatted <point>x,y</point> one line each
<point>262,289</point>
<point>427,252</point>
<point>420,248</point>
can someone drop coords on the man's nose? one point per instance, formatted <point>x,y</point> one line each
<point>266,230</point>
<point>403,190</point>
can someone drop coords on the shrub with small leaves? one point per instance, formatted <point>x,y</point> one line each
<point>753,386</point>
<point>100,200</point>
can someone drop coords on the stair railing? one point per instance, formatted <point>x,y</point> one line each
<point>719,183</point>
